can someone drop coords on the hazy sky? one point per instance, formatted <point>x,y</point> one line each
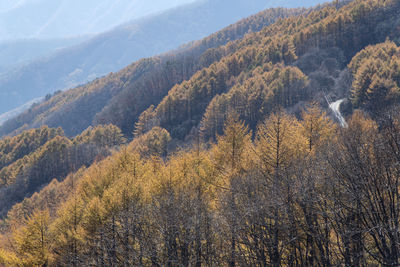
<point>64,18</point>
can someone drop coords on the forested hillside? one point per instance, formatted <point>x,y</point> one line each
<point>115,49</point>
<point>319,46</point>
<point>76,108</point>
<point>34,158</point>
<point>301,193</point>
<point>149,80</point>
<point>223,153</point>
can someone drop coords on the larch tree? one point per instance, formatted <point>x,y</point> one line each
<point>232,159</point>
<point>277,145</point>
<point>33,241</point>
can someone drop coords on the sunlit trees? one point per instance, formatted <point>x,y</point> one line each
<point>45,159</point>
<point>316,127</point>
<point>277,144</point>
<point>300,192</point>
<point>102,136</point>
<point>154,143</point>
<point>232,161</point>
<point>68,233</point>
<point>33,241</point>
<point>261,91</point>
<point>376,76</point>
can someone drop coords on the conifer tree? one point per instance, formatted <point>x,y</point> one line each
<point>232,154</point>
<point>33,241</point>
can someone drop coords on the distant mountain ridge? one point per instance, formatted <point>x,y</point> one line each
<point>116,49</point>
<point>134,88</point>
<point>12,113</point>
<point>23,51</point>
<point>66,18</point>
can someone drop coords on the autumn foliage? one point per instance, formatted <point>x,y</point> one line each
<point>226,157</point>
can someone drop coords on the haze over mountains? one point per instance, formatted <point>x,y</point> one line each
<point>121,46</point>
<point>51,19</point>
<point>14,53</point>
<point>30,29</point>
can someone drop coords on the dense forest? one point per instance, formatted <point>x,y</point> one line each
<point>223,153</point>
<point>181,86</point>
<point>96,55</point>
<point>297,192</point>
<point>35,157</point>
<point>133,89</point>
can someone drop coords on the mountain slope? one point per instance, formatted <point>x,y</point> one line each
<point>159,73</point>
<point>116,49</point>
<point>320,45</point>
<point>340,35</point>
<point>32,159</point>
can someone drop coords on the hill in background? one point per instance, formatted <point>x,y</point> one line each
<point>47,19</point>
<point>113,50</point>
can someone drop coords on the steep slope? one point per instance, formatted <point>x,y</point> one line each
<point>338,34</point>
<point>149,80</point>
<point>34,158</point>
<point>121,46</point>
<point>320,45</point>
